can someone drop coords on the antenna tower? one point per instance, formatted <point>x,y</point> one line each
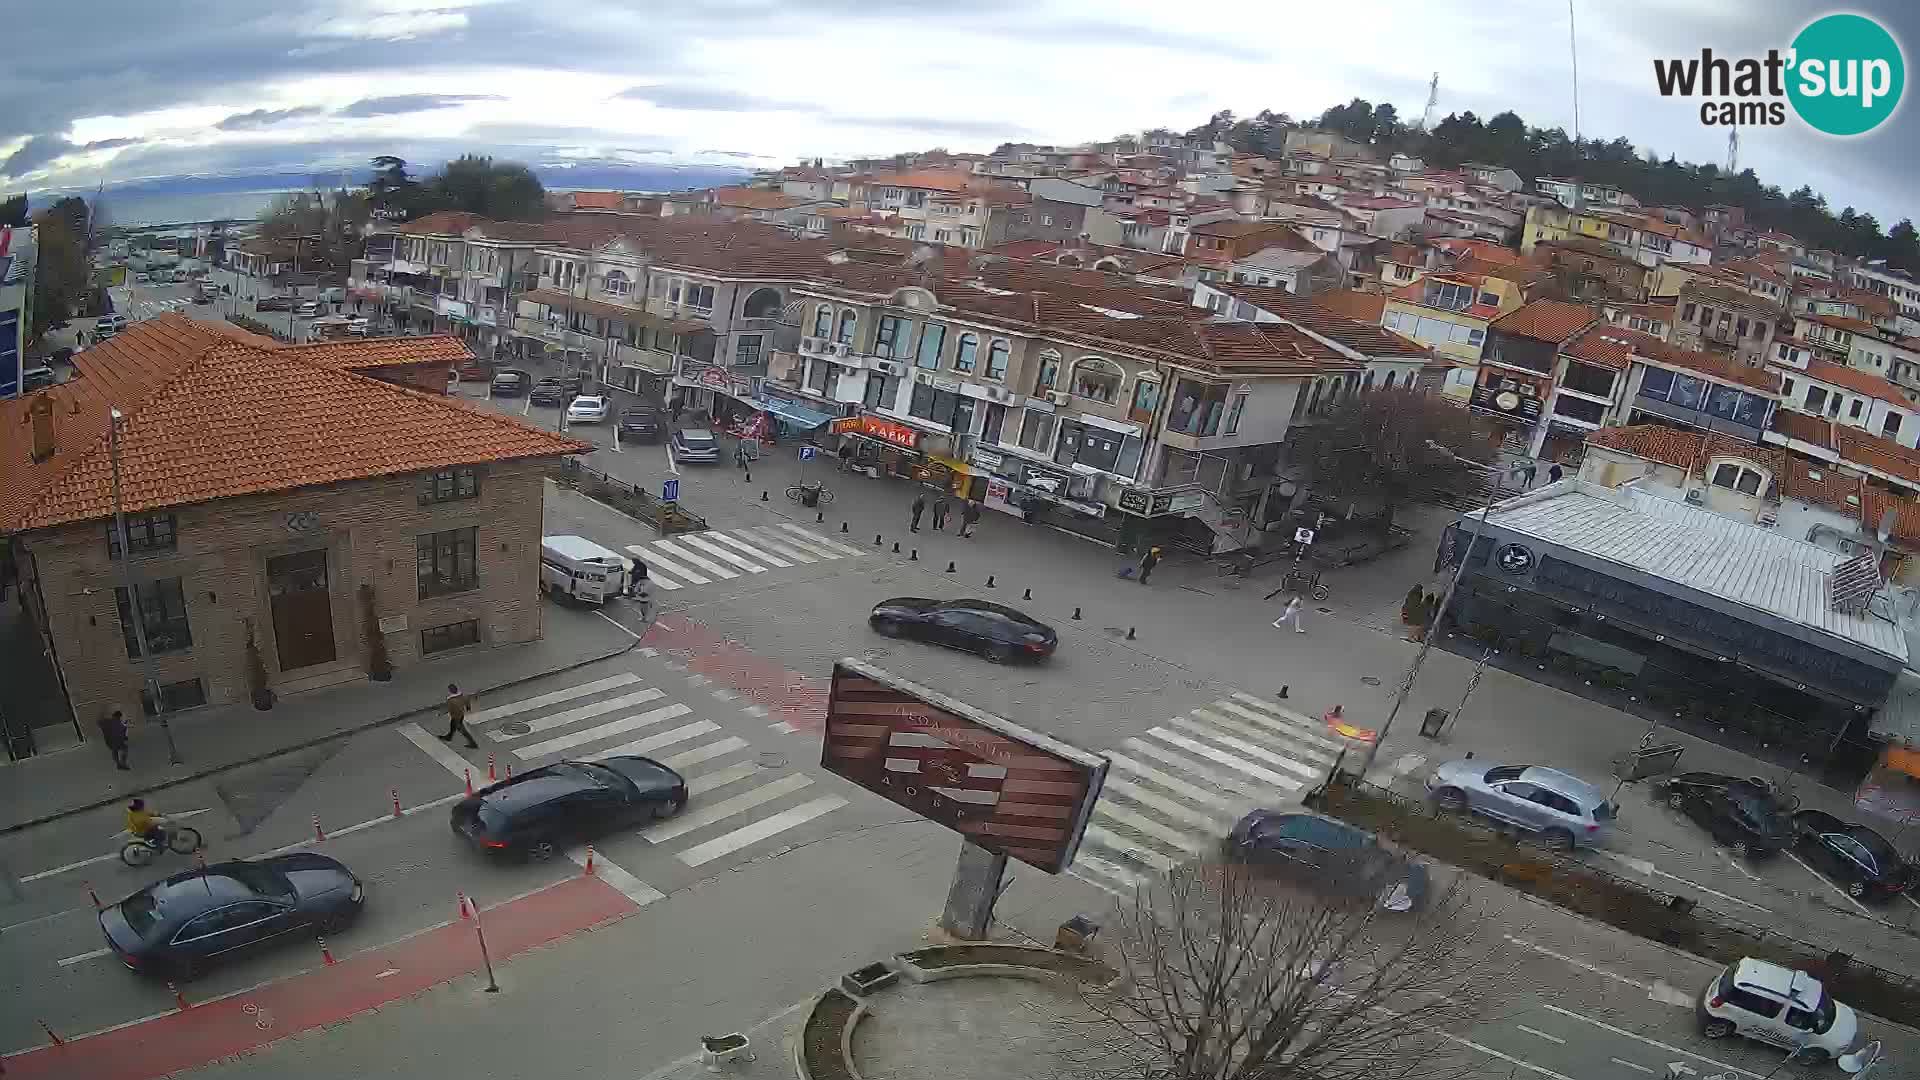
<point>1433,100</point>
<point>1733,151</point>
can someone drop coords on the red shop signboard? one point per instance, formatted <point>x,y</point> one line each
<point>883,429</point>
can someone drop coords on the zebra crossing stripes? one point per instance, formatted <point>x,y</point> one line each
<point>583,712</point>
<point>702,558</point>
<point>539,701</point>
<point>723,554</point>
<point>595,734</point>
<point>684,554</point>
<point>1174,792</point>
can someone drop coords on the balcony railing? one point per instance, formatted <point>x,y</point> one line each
<point>757,324</point>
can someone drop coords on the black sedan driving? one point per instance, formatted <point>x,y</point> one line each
<point>640,423</point>
<point>176,928</point>
<point>1860,860</point>
<point>1331,857</point>
<point>1740,813</point>
<point>538,813</point>
<point>998,633</point>
<point>548,391</point>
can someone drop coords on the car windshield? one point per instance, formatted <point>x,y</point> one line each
<point>599,774</point>
<point>1876,845</point>
<point>141,911</point>
<point>1503,773</point>
<point>258,879</point>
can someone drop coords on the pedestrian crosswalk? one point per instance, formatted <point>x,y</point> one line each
<point>717,555</point>
<point>1172,794</point>
<point>734,802</point>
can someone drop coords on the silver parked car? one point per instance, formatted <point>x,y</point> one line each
<point>1565,810</point>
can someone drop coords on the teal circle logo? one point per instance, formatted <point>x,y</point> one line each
<point>1848,74</point>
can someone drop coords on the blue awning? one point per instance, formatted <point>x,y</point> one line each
<point>793,413</point>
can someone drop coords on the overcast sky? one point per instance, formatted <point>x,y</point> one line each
<point>117,89</point>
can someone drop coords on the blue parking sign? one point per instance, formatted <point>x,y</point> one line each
<point>670,490</point>
<point>807,452</point>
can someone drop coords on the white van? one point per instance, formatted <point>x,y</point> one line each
<point>576,566</point>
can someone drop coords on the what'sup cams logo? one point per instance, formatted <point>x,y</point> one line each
<point>1843,75</point>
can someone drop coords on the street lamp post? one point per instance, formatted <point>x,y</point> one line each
<point>133,595</point>
<point>1433,624</point>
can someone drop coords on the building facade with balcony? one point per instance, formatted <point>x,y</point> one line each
<point>1721,318</point>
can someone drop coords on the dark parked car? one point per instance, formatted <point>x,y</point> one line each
<point>1331,857</point>
<point>510,382</point>
<point>273,303</point>
<point>695,445</point>
<point>538,813</point>
<point>1001,634</point>
<point>1859,859</point>
<point>177,927</point>
<point>640,423</point>
<point>574,383</point>
<point>1739,812</point>
<point>548,391</point>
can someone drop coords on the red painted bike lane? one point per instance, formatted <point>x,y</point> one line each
<point>251,1019</point>
<point>797,699</point>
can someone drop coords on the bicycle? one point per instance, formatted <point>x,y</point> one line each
<point>821,493</point>
<point>179,839</point>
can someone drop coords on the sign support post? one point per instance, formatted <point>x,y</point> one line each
<point>976,885</point>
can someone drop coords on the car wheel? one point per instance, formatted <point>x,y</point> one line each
<point>1558,839</point>
<point>1856,889</point>
<point>1740,849</point>
<point>1676,800</point>
<point>1717,1028</point>
<point>336,922</point>
<point>1452,800</point>
<point>887,627</point>
<point>1813,1055</point>
<point>541,850</point>
<point>1000,653</point>
<point>666,808</point>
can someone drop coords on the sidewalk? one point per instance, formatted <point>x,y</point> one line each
<point>82,777</point>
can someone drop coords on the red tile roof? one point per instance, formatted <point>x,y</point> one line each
<point>929,179</point>
<point>366,353</point>
<point>1613,347</point>
<point>211,417</point>
<point>754,198</point>
<point>1803,427</point>
<point>1546,320</point>
<point>1823,485</point>
<point>1683,449</point>
<point>1368,339</point>
<point>1721,367</point>
<point>1852,378</point>
<point>1840,322</point>
<point>442,223</point>
<point>1872,451</point>
<point>1366,307</point>
<point>597,200</point>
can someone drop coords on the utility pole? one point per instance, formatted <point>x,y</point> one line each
<point>143,664</point>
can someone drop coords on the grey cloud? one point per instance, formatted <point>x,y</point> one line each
<point>260,118</point>
<point>396,104</point>
<point>937,125</point>
<point>39,150</point>
<point>709,99</point>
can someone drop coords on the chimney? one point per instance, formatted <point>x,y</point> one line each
<point>40,415</point>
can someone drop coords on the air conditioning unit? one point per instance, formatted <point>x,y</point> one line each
<point>810,345</point>
<point>1695,497</point>
<point>841,348</point>
<point>888,367</point>
<point>998,393</point>
<point>1058,397</point>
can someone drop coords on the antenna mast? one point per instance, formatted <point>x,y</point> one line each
<point>1733,151</point>
<point>1433,100</point>
<point>1573,50</point>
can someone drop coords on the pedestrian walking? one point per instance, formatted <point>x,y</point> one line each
<point>1147,562</point>
<point>113,731</point>
<point>1554,474</point>
<point>1533,474</point>
<point>941,507</point>
<point>457,717</point>
<point>969,517</point>
<point>846,456</point>
<point>1291,615</point>
<point>919,507</point>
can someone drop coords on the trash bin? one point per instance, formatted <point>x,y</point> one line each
<point>1076,934</point>
<point>1656,760</point>
<point>1433,722</point>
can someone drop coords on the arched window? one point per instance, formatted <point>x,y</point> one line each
<point>964,352</point>
<point>617,283</point>
<point>1048,375</point>
<point>997,360</point>
<point>1390,377</point>
<point>1097,379</point>
<point>1146,397</point>
<point>1367,382</point>
<point>763,304</point>
<point>1313,401</point>
<point>845,337</point>
<point>823,321</point>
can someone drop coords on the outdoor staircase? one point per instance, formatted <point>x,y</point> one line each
<point>319,677</point>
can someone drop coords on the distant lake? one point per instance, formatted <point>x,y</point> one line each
<point>162,208</point>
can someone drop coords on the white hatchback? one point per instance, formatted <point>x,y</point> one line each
<point>1772,1004</point>
<point>587,410</point>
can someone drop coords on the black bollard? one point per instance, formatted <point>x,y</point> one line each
<point>1283,693</point>
<point>763,495</point>
<point>914,556</point>
<point>843,526</point>
<point>876,539</point>
<point>896,547</point>
<point>1028,595</point>
<point>749,476</point>
<point>1129,633</point>
<point>990,583</point>
<point>1076,613</point>
<point>820,517</point>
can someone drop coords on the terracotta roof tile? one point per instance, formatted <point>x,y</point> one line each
<point>366,353</point>
<point>1546,320</point>
<point>209,417</point>
<point>755,198</point>
<point>1365,338</point>
<point>597,200</point>
<point>930,179</point>
<point>1906,514</point>
<point>1823,485</point>
<point>1890,457</point>
<point>1722,367</point>
<point>1684,449</point>
<point>1613,347</point>
<point>1803,427</point>
<point>1840,322</point>
<point>442,223</point>
<point>1860,382</point>
<point>1366,307</point>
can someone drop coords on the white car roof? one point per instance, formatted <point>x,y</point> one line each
<point>580,549</point>
<point>1796,986</point>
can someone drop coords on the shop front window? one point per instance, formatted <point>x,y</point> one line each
<point>1036,431</point>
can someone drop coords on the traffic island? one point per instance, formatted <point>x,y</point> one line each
<point>952,1012</point>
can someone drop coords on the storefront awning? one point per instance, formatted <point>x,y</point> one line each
<point>793,413</point>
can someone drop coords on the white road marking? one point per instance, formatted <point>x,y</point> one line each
<point>618,623</point>
<point>582,712</point>
<point>1113,841</point>
<point>1631,1065</point>
<point>1121,883</point>
<point>1730,860</point>
<point>69,961</point>
<point>706,565</point>
<point>772,541</point>
<point>726,808</point>
<point>1170,783</point>
<point>732,542</point>
<point>820,541</point>
<point>1302,769</point>
<point>70,866</point>
<point>800,543</point>
<point>655,580</point>
<point>760,830</point>
<point>1224,758</point>
<point>1180,811</point>
<point>1822,878</point>
<point>672,465</point>
<point>655,742</point>
<point>652,560</point>
<point>696,540</point>
<point>1309,751</point>
<point>1575,962</point>
<point>1908,897</point>
<point>688,758</point>
<point>719,778</point>
<point>1537,1033</point>
<point>1159,753</point>
<point>1646,867</point>
<point>602,731</point>
<point>1650,1042</point>
<point>1311,733</point>
<point>1141,823</point>
<point>541,701</point>
<point>349,830</point>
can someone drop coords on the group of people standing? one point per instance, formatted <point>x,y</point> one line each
<point>942,509</point>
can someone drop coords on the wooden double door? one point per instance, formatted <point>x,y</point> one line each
<point>302,608</point>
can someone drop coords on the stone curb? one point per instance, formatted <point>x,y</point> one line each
<point>308,744</point>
